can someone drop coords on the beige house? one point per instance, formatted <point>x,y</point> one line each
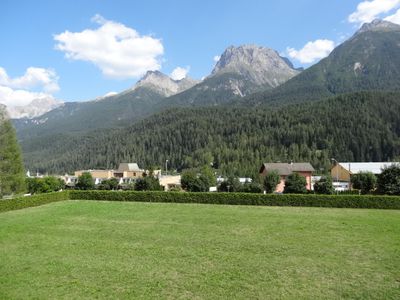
<point>170,181</point>
<point>129,170</point>
<point>285,169</point>
<point>104,174</point>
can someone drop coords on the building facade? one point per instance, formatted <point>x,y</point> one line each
<point>285,169</point>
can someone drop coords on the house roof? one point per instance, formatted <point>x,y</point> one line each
<point>133,167</point>
<point>287,168</point>
<point>373,167</point>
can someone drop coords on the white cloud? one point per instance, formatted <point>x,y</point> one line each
<point>12,98</point>
<point>395,18</point>
<point>36,83</point>
<point>179,73</point>
<point>45,79</point>
<point>117,50</point>
<point>216,58</point>
<point>367,11</point>
<point>312,51</point>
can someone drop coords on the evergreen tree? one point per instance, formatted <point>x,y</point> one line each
<point>12,177</point>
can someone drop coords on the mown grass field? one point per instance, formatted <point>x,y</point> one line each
<point>90,249</point>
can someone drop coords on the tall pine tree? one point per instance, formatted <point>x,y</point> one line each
<point>12,177</point>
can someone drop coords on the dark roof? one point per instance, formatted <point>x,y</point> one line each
<point>287,168</point>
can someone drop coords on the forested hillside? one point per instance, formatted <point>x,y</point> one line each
<point>354,127</point>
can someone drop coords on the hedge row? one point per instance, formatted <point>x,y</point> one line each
<point>35,200</point>
<point>339,201</point>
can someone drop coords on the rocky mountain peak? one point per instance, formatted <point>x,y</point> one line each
<point>378,25</point>
<point>263,66</point>
<point>35,108</point>
<point>164,84</point>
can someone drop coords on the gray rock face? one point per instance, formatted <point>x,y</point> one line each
<point>34,109</point>
<point>163,84</point>
<point>378,25</point>
<point>260,65</point>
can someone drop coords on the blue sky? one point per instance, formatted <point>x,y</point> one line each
<point>45,49</point>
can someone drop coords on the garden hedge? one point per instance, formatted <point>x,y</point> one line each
<point>35,200</point>
<point>310,200</point>
<point>339,201</point>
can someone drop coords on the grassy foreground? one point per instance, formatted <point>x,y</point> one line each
<point>90,249</point>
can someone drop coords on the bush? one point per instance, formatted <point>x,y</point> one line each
<point>232,184</point>
<point>324,186</point>
<point>389,180</point>
<point>29,201</point>
<point>46,184</point>
<point>271,180</point>
<point>340,201</point>
<point>364,181</point>
<point>85,182</point>
<point>251,187</point>
<point>295,184</point>
<point>193,183</point>
<point>108,184</point>
<point>148,183</point>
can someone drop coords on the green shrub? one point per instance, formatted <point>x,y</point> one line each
<point>85,182</point>
<point>389,180</point>
<point>148,183</point>
<point>364,181</point>
<point>46,184</point>
<point>340,201</point>
<point>29,201</point>
<point>271,180</point>
<point>295,184</point>
<point>231,184</point>
<point>324,186</point>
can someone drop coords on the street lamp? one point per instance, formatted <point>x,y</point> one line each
<point>337,174</point>
<point>166,169</point>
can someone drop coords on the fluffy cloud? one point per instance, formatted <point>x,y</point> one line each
<point>36,83</point>
<point>312,51</point>
<point>11,97</point>
<point>179,73</point>
<point>119,51</point>
<point>367,11</point>
<point>395,18</point>
<point>45,79</point>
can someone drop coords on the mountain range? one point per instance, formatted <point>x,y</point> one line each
<point>369,60</point>
<point>249,80</point>
<point>239,72</point>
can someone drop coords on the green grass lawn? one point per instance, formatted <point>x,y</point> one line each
<point>89,249</point>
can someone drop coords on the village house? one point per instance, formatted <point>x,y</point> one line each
<point>285,169</point>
